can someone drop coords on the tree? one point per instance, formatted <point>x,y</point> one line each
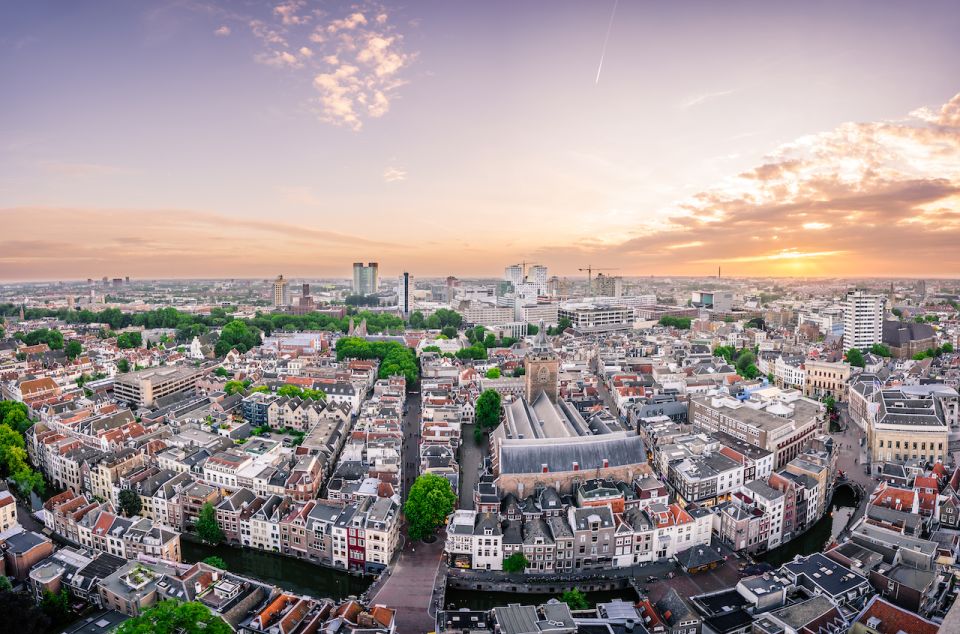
<point>898,313</point>
<point>576,599</point>
<point>416,320</point>
<point>123,365</point>
<point>746,364</point>
<point>232,387</point>
<point>532,329</point>
<point>493,373</point>
<point>830,403</point>
<point>52,338</point>
<point>174,617</point>
<point>14,415</point>
<point>430,501</point>
<point>73,349</point>
<point>517,562</point>
<point>855,358</point>
<point>129,340</point>
<point>216,562</point>
<point>30,619</point>
<point>947,348</point>
<point>449,332</point>
<point>562,324</point>
<point>130,502</point>
<point>880,350</point>
<point>237,334</point>
<point>222,372</point>
<point>488,409</point>
<point>56,606</point>
<point>208,529</point>
<point>680,323</point>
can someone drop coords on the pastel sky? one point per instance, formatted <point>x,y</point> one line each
<point>244,139</point>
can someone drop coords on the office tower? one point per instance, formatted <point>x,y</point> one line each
<point>280,294</point>
<point>608,285</point>
<point>405,294</point>
<point>862,320</point>
<point>514,274</point>
<point>538,277</point>
<point>365,278</point>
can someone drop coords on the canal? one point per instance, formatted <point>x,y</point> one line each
<point>813,541</point>
<point>479,600</point>
<point>296,575</point>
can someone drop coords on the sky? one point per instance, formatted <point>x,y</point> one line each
<point>193,138</point>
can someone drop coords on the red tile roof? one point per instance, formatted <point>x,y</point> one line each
<point>893,619</point>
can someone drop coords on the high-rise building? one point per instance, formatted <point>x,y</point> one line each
<point>366,278</point>
<point>608,285</point>
<point>281,296</point>
<point>405,294</point>
<point>514,274</point>
<point>538,277</point>
<point>862,320</point>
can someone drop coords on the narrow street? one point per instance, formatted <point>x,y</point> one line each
<point>411,442</point>
<point>471,460</point>
<point>411,585</point>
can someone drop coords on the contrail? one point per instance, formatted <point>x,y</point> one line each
<point>604,50</point>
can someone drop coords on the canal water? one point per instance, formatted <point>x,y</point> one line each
<point>296,575</point>
<point>843,504</point>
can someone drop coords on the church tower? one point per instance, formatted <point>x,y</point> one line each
<point>541,368</point>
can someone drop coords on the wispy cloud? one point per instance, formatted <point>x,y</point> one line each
<point>355,58</point>
<point>701,99</point>
<point>81,168</point>
<point>394,174</point>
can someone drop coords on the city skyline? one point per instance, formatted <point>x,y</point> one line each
<point>236,140</point>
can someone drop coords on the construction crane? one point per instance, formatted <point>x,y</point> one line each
<point>590,269</point>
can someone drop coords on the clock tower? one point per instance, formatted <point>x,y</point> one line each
<point>541,369</point>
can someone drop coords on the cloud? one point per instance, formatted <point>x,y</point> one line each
<point>348,23</point>
<point>394,174</point>
<point>700,99</point>
<point>279,59</point>
<point>867,198</point>
<point>355,58</point>
<point>288,13</point>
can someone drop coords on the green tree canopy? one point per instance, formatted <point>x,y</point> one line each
<point>430,501</point>
<point>233,387</point>
<point>855,358</point>
<point>880,350</point>
<point>73,349</point>
<point>416,320</point>
<point>131,339</point>
<point>680,323</point>
<point>216,562</point>
<point>52,338</point>
<point>576,599</point>
<point>208,529</point>
<point>517,562</point>
<point>174,617</point>
<point>488,409</point>
<point>237,334</point>
<point>295,391</point>
<point>130,502</point>
<point>493,373</point>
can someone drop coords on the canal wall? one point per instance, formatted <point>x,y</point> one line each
<point>538,587</point>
